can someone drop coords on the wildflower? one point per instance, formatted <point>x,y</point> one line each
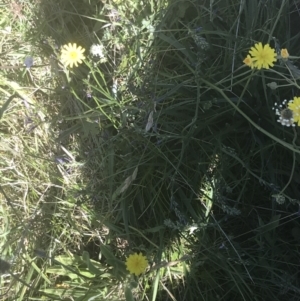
<point>262,56</point>
<point>248,61</point>
<point>294,106</point>
<point>286,115</point>
<point>136,263</point>
<point>6,30</point>
<point>97,50</point>
<point>28,62</point>
<point>72,55</point>
<point>284,53</point>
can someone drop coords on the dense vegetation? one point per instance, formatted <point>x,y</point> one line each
<point>161,142</point>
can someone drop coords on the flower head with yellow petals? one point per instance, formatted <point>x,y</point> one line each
<point>261,56</point>
<point>72,55</point>
<point>284,53</point>
<point>136,263</point>
<point>294,106</point>
<point>248,61</point>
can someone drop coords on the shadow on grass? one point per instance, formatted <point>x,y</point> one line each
<point>165,163</point>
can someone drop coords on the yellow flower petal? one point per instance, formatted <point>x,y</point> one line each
<point>294,106</point>
<point>284,53</point>
<point>248,61</point>
<point>71,54</point>
<point>263,56</point>
<point>136,263</point>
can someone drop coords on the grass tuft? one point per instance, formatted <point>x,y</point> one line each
<point>161,142</point>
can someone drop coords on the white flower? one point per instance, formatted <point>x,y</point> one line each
<point>286,115</point>
<point>6,30</point>
<point>97,50</point>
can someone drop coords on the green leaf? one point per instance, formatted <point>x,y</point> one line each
<point>123,187</point>
<point>155,286</point>
<point>5,105</point>
<point>128,294</point>
<point>181,9</point>
<point>107,253</point>
<point>176,44</point>
<point>91,267</point>
<point>272,225</point>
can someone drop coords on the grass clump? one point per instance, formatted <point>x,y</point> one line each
<point>155,135</point>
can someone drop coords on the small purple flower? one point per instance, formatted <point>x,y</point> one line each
<point>61,160</point>
<point>28,61</point>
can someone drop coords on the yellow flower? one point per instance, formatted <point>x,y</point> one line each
<point>248,61</point>
<point>284,53</point>
<point>263,56</point>
<point>136,263</point>
<point>294,106</point>
<point>72,55</point>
